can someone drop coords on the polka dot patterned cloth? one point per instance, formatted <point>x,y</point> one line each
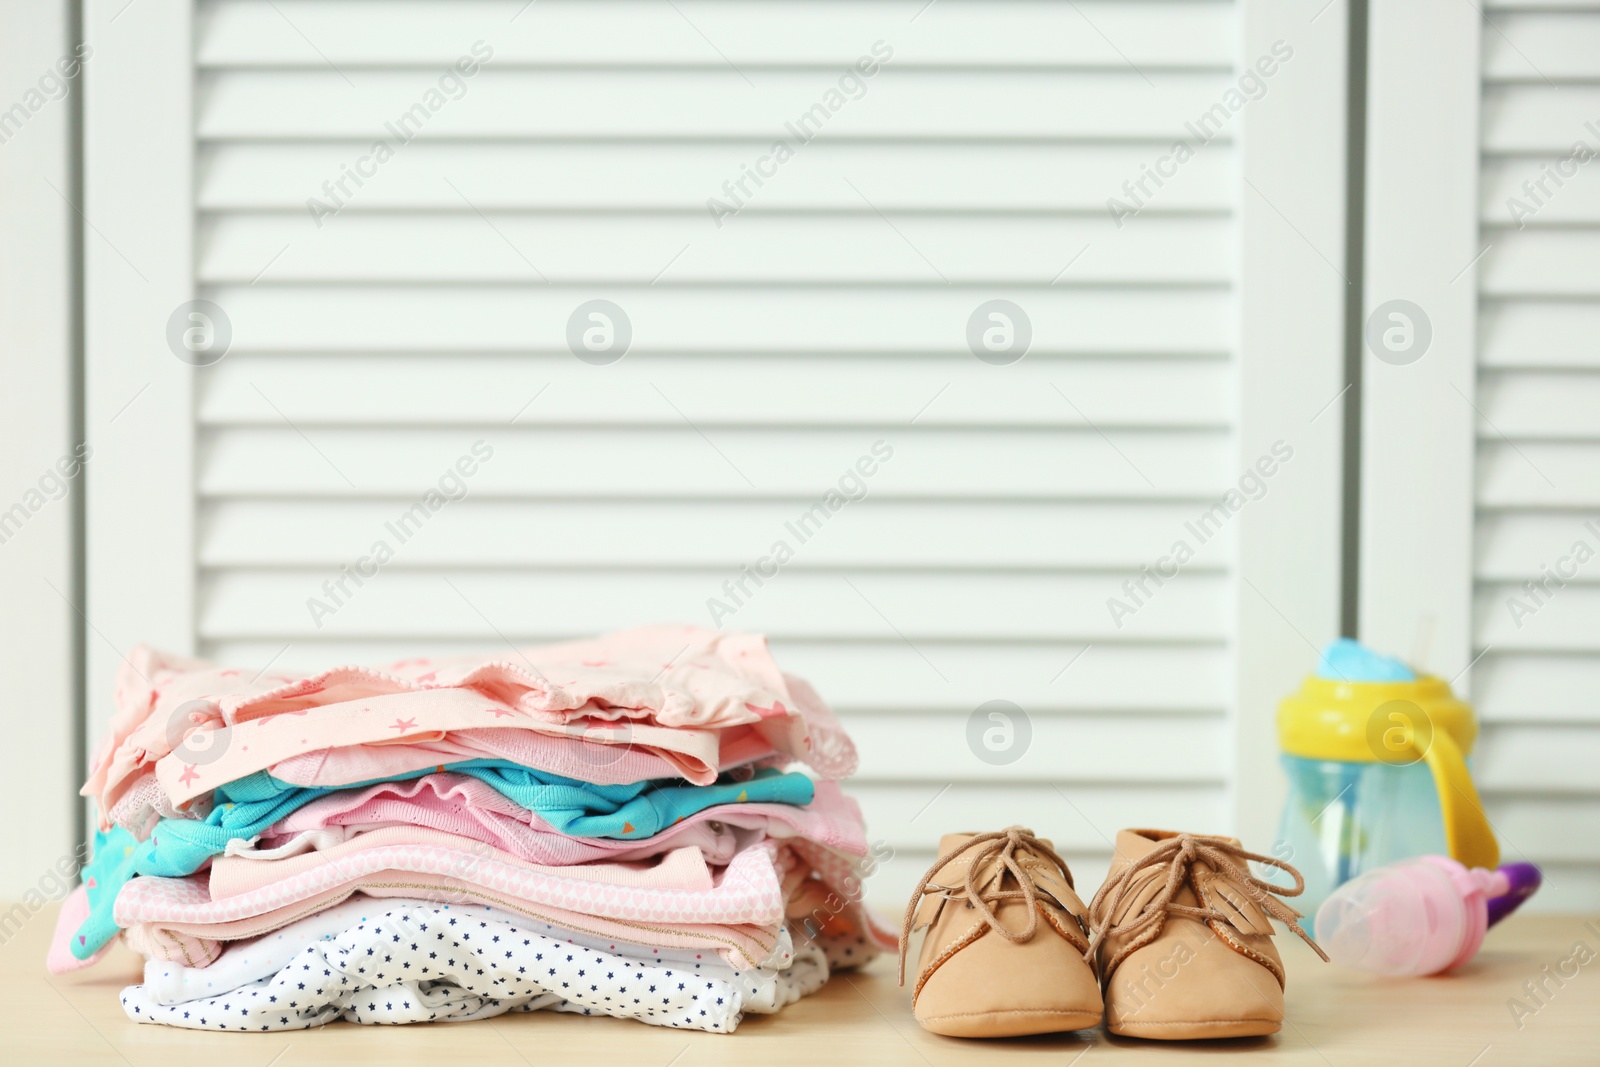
<point>432,965</point>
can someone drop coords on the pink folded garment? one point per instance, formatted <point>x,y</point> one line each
<point>742,947</point>
<point>655,683</point>
<point>426,716</point>
<point>589,757</point>
<point>681,869</point>
<point>74,910</point>
<point>739,916</point>
<point>744,891</point>
<point>466,806</point>
<point>144,800</point>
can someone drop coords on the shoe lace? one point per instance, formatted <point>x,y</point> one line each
<point>1004,844</point>
<point>1181,852</point>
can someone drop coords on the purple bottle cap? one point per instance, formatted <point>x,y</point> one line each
<point>1522,881</point>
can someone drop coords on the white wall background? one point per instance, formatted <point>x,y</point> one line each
<point>1482,451</point>
<point>1537,444</point>
<point>369,352</point>
<point>375,335</point>
<point>36,543</point>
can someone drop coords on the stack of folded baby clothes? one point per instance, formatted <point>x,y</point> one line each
<point>606,826</point>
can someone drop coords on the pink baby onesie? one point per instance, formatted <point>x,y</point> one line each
<point>463,805</point>
<point>738,917</point>
<point>682,869</point>
<point>573,757</point>
<point>177,919</point>
<point>654,684</point>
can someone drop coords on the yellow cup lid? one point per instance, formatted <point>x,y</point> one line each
<point>1398,723</point>
<point>1372,722</point>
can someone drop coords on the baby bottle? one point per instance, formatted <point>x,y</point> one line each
<point>1376,761</point>
<point>1420,916</point>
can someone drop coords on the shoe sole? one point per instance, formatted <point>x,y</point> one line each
<point>1023,1023</point>
<point>1202,1030</point>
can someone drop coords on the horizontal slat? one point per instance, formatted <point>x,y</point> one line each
<point>1538,333</point>
<point>663,464</point>
<point>1044,677</point>
<point>509,104</point>
<point>1535,46</point>
<point>886,675</point>
<point>631,250</point>
<point>893,881</point>
<point>633,534</point>
<point>1541,759</point>
<point>1568,619</point>
<point>703,32</point>
<point>332,384</point>
<point>1570,886</point>
<point>1075,748</point>
<point>1537,118</point>
<point>1076,817</point>
<point>1529,404</point>
<point>729,319</point>
<point>1537,473</point>
<point>1520,545</point>
<point>1538,226</point>
<point>1546,829</point>
<point>1512,686</point>
<point>1570,889</point>
<point>449,390</point>
<point>1540,262</point>
<point>527,606</point>
<point>1532,191</point>
<point>1081,821</point>
<point>1499,6</point>
<point>657,176</point>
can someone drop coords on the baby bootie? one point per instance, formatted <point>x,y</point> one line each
<point>1007,943</point>
<point>1182,938</point>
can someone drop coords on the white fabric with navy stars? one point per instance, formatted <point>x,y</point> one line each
<point>427,964</point>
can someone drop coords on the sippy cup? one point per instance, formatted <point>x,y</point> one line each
<point>1376,760</point>
<point>1421,916</point>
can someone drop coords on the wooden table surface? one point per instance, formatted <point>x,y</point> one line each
<point>1336,1017</point>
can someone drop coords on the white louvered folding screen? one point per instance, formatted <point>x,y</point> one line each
<point>1538,487</point>
<point>1509,395</point>
<point>781,330</point>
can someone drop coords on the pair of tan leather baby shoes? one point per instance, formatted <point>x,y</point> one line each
<point>1176,945</point>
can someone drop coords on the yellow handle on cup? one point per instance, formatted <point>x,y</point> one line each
<point>1399,723</point>
<point>1466,828</point>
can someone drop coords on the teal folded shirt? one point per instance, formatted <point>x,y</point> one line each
<point>244,809</point>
